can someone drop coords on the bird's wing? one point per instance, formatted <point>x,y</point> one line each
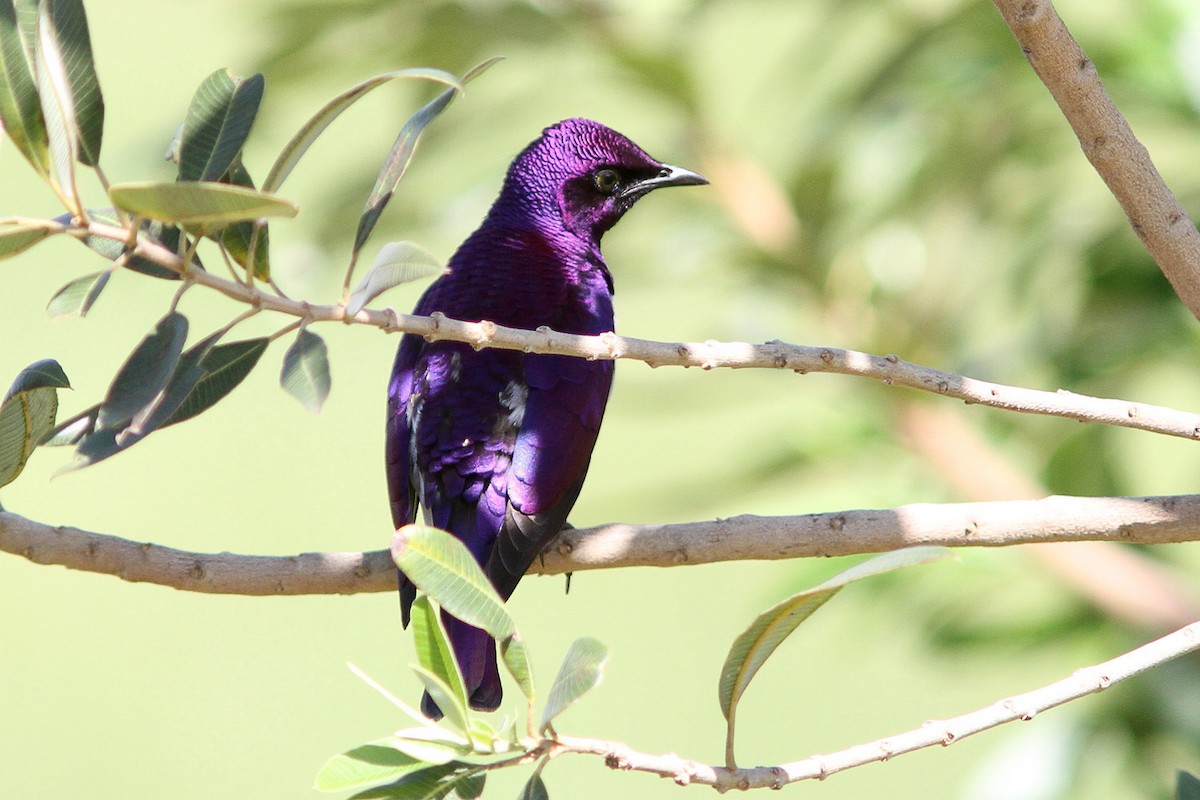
<point>560,405</point>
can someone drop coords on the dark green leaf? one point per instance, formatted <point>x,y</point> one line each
<point>144,373</point>
<point>433,649</point>
<point>468,787</point>
<point>217,124</point>
<point>316,125</point>
<point>397,263</point>
<point>305,374</point>
<point>442,567</point>
<point>77,297</point>
<point>534,789</point>
<point>165,235</point>
<point>70,29</point>
<point>370,763</point>
<point>1187,786</point>
<point>209,204</point>
<point>224,366</point>
<point>755,645</point>
<point>27,415</point>
<point>240,237</point>
<point>581,671</point>
<point>70,433</point>
<point>18,235</point>
<point>20,108</point>
<point>401,154</point>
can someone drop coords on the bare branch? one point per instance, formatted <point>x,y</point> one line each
<point>1083,682</point>
<point>1142,520</point>
<point>706,355</point>
<point>1109,144</point>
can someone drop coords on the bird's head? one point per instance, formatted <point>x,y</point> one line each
<point>589,175</point>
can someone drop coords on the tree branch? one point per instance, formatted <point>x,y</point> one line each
<point>1142,520</point>
<point>1109,144</point>
<point>1083,682</point>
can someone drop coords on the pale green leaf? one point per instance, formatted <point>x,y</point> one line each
<point>58,109</point>
<point>305,374</point>
<point>18,235</point>
<point>77,297</point>
<point>515,656</point>
<point>294,150</point>
<point>424,784</point>
<point>69,28</point>
<point>442,567</point>
<point>27,415</point>
<point>397,263</point>
<point>370,763</point>
<point>433,648</point>
<point>208,204</point>
<point>581,671</point>
<point>453,707</point>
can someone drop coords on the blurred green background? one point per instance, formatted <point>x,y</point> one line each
<point>887,176</point>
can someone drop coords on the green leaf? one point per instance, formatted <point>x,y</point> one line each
<point>421,784</point>
<point>1187,786</point>
<point>27,415</point>
<point>217,124</point>
<point>397,263</point>
<point>224,367</point>
<point>209,204</point>
<point>580,672</point>
<point>401,154</point>
<point>240,237</point>
<point>755,645</point>
<point>305,374</point>
<point>20,106</point>
<point>370,763</point>
<point>421,744</point>
<point>145,373</point>
<point>534,789</point>
<point>77,297</point>
<point>452,706</point>
<point>70,31</point>
<point>468,787</point>
<point>18,235</point>
<point>316,125</point>
<point>69,433</point>
<point>58,109</point>
<point>442,567</point>
<point>516,658</point>
<point>433,648</point>
<point>165,235</point>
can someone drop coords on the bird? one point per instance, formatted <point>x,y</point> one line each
<point>493,445</point>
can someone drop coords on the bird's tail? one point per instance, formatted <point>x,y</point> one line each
<point>475,651</point>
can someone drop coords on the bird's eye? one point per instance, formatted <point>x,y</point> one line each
<point>606,181</point>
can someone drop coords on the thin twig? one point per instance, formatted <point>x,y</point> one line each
<point>1142,520</point>
<point>1022,707</point>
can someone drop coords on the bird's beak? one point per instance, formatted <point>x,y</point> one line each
<point>667,176</point>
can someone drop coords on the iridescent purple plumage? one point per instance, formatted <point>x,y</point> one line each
<point>494,445</point>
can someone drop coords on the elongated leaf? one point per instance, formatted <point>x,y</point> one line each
<point>452,706</point>
<point>20,107</point>
<point>70,433</point>
<point>217,124</point>
<point>433,648</point>
<point>225,366</point>
<point>516,659</point>
<point>401,155</point>
<point>580,672</point>
<point>421,745</point>
<point>371,763</point>
<point>754,646</point>
<point>209,204</point>
<point>70,31</point>
<point>397,263</point>
<point>442,567</point>
<point>18,235</point>
<point>423,784</point>
<point>27,415</point>
<point>305,374</point>
<point>58,109</point>
<point>468,787</point>
<point>165,235</point>
<point>294,150</point>
<point>534,789</point>
<point>77,297</point>
<point>144,373</point>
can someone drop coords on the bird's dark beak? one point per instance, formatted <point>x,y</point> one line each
<point>667,176</point>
